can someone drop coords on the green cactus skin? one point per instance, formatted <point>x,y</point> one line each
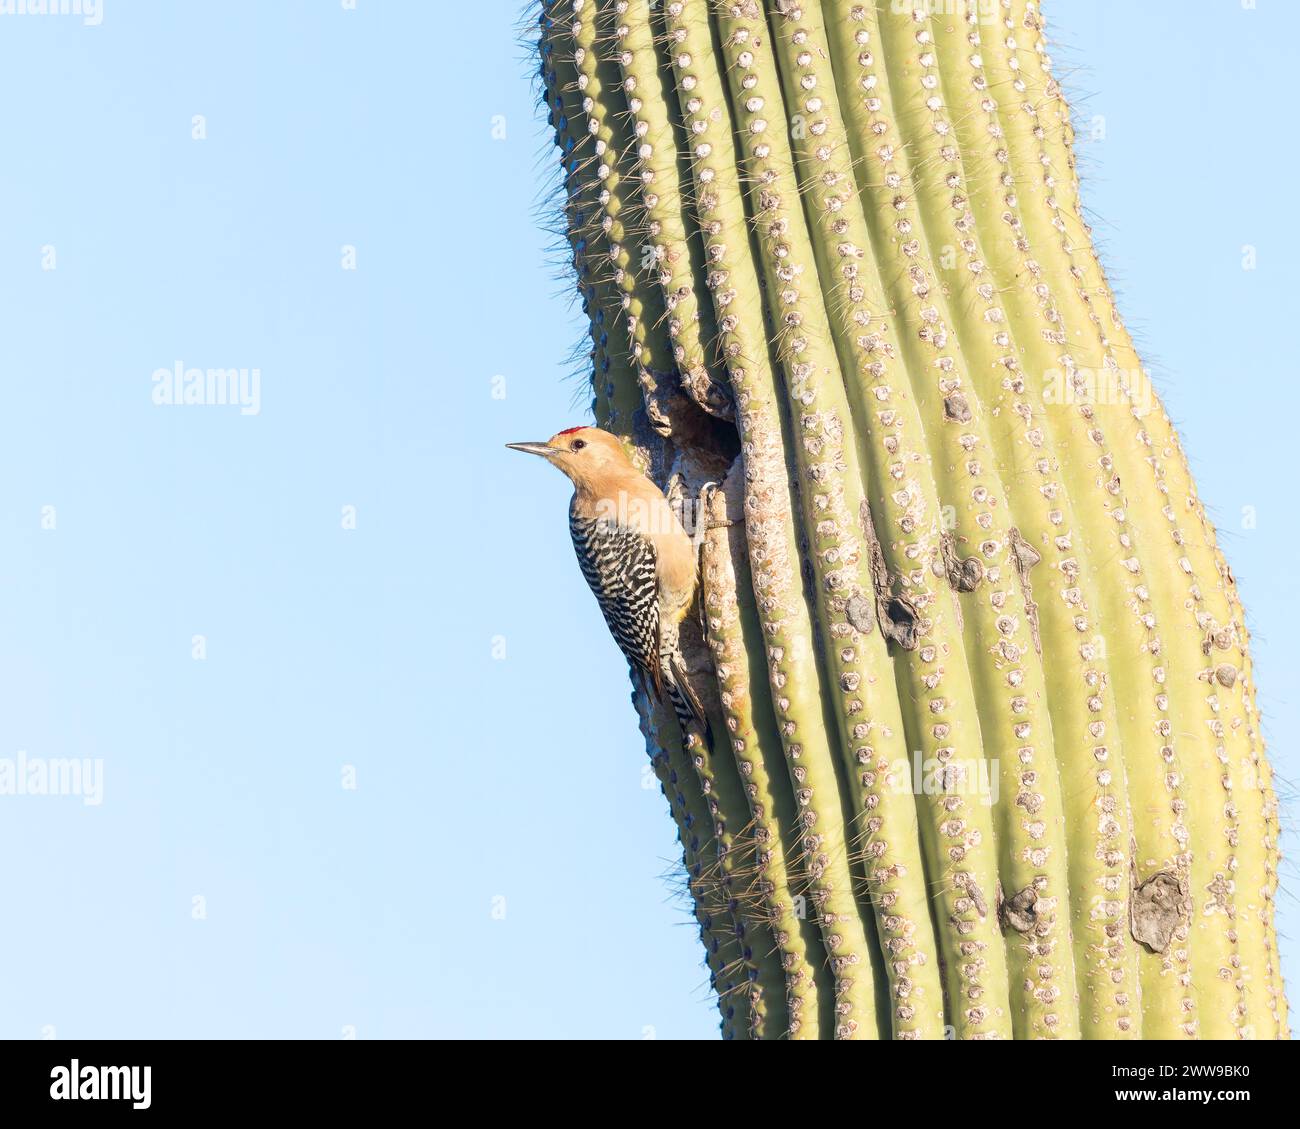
<point>844,304</point>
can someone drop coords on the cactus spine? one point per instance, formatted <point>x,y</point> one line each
<point>989,762</point>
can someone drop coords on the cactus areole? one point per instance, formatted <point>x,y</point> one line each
<point>986,762</point>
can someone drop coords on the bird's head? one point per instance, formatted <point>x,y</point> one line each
<point>585,454</point>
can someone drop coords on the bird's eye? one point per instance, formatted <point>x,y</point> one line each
<point>577,445</point>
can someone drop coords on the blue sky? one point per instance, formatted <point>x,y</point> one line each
<point>370,806</point>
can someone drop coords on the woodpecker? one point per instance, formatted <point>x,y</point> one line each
<point>636,558</point>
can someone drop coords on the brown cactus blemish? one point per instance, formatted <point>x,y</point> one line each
<point>963,575</point>
<point>898,616</point>
<point>956,408</point>
<point>899,623</point>
<point>1019,912</point>
<point>1156,909</point>
<point>859,613</point>
<point>1026,556</point>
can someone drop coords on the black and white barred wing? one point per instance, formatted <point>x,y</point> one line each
<point>620,566</point>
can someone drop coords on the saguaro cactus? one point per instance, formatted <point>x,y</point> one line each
<point>988,761</point>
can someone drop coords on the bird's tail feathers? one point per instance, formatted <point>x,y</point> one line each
<point>686,703</point>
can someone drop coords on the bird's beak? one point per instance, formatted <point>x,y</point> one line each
<point>543,449</point>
